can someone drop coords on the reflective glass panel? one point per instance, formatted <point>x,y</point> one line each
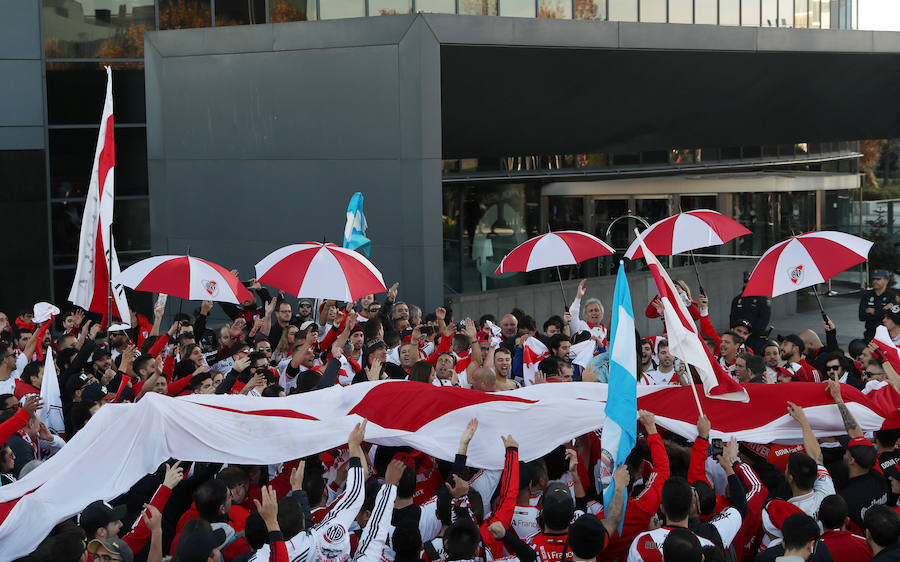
<point>681,11</point>
<point>97,28</point>
<point>478,7</point>
<point>184,14</point>
<point>336,9</point>
<point>389,7</point>
<point>826,14</point>
<point>240,12</point>
<point>770,13</point>
<point>729,12</point>
<point>75,92</point>
<point>72,154</point>
<point>706,11</point>
<point>555,9</point>
<point>623,10</point>
<point>437,6</point>
<point>590,9</point>
<point>517,8</point>
<point>566,213</point>
<point>291,10</point>
<point>785,13</point>
<point>801,13</point>
<point>653,11</point>
<point>815,14</point>
<point>750,13</point>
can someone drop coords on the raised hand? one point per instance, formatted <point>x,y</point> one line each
<point>459,488</point>
<point>205,307</point>
<point>394,472</point>
<point>270,306</point>
<point>392,292</point>
<point>440,312</point>
<point>174,475</point>
<point>539,378</point>
<point>469,432</point>
<point>572,457</point>
<point>703,427</point>
<point>471,331</point>
<point>648,420</point>
<point>32,403</point>
<point>588,374</point>
<point>152,518</point>
<point>834,389</point>
<point>268,509</point>
<point>508,441</point>
<point>621,477</point>
<point>373,373</point>
<point>297,476</point>
<point>797,413</point>
<point>581,289</point>
<point>357,435</point>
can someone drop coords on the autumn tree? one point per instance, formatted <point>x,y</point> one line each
<point>871,151</point>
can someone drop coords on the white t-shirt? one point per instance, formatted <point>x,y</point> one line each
<point>822,488</point>
<point>525,520</point>
<point>647,546</point>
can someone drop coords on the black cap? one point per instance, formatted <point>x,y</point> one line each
<point>100,353</point>
<point>587,537</point>
<point>99,514</point>
<point>197,546</point>
<point>238,347</point>
<point>95,392</point>
<point>795,339</point>
<point>893,313</point>
<point>558,506</point>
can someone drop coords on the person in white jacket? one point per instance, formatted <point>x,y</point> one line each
<point>330,539</point>
<point>375,533</point>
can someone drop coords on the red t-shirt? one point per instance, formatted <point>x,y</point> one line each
<point>844,545</point>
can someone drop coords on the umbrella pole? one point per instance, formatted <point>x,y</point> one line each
<point>697,273</point>
<point>819,300</point>
<point>561,289</point>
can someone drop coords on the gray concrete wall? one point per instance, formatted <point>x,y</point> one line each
<point>722,281</point>
<point>276,126</point>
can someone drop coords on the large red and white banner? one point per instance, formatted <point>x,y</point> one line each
<point>90,290</point>
<point>124,442</point>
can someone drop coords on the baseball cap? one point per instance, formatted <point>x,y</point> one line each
<point>333,544</point>
<point>238,347</point>
<point>99,514</point>
<point>587,537</point>
<point>794,339</point>
<point>197,546</point>
<point>114,545</point>
<point>306,325</point>
<point>96,392</point>
<point>862,451</point>
<point>745,323</point>
<point>558,505</point>
<point>893,313</point>
<point>880,274</point>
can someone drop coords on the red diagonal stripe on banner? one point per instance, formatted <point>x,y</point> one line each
<point>273,413</point>
<point>410,406</point>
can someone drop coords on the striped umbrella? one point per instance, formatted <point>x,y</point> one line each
<point>185,277</point>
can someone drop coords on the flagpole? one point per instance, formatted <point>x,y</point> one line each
<point>109,278</point>
<point>690,378</point>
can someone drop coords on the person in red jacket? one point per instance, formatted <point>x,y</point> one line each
<point>640,510</point>
<point>843,545</point>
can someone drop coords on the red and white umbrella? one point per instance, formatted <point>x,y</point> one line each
<point>685,232</point>
<point>185,277</point>
<point>805,260</point>
<point>320,271</point>
<point>565,247</point>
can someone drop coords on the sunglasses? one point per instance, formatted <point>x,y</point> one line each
<point>305,305</point>
<point>832,367</point>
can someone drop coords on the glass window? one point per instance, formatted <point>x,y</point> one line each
<point>729,12</point>
<point>694,202</point>
<point>72,155</point>
<point>653,11</point>
<point>240,12</point>
<point>517,8</point>
<point>184,14</point>
<point>131,228</point>
<point>437,6</point>
<point>815,19</point>
<point>825,12</point>
<point>623,10</point>
<point>335,9</point>
<point>606,211</point>
<point>681,11</point>
<point>801,13</point>
<point>478,7</point>
<point>291,10</point>
<point>101,28</point>
<point>566,213</point>
<point>750,13</point>
<point>389,7</point>
<point>706,11</point>
<point>590,9</point>
<point>785,13</point>
<point>555,9</point>
<point>770,13</point>
<point>75,92</point>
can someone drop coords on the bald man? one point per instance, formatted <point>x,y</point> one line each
<point>484,379</point>
<point>509,330</point>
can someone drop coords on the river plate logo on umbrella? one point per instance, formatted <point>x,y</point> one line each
<point>211,288</point>
<point>796,274</point>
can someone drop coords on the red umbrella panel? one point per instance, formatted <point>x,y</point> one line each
<point>565,247</point>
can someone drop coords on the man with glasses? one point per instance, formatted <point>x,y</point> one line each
<point>283,319</point>
<point>304,311</point>
<point>838,368</point>
<point>7,366</point>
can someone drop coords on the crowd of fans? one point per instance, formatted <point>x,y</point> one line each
<point>833,499</point>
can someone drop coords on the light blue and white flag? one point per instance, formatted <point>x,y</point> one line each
<point>355,231</point>
<point>620,427</point>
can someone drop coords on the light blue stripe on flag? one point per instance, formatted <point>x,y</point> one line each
<point>355,230</point>
<point>619,429</point>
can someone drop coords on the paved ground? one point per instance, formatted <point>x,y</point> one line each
<point>842,310</point>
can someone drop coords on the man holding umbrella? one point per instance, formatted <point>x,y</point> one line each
<point>874,303</point>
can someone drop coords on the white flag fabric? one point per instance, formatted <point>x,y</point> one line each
<point>124,442</point>
<point>51,412</point>
<point>533,352</point>
<point>90,290</point>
